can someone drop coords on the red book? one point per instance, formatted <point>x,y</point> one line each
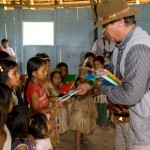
<point>66,87</point>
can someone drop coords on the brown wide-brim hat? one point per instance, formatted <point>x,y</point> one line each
<point>110,10</point>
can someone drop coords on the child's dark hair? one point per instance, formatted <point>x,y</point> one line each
<point>18,122</point>
<point>88,54</point>
<point>43,56</point>
<point>53,72</point>
<point>100,59</point>
<point>62,64</point>
<point>5,66</point>
<point>3,116</point>
<point>38,122</point>
<point>33,64</point>
<point>4,55</point>
<point>5,95</point>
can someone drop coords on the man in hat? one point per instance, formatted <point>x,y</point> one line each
<point>119,24</point>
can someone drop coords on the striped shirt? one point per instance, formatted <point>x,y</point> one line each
<point>136,81</point>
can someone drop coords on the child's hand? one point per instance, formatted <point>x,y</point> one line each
<point>31,140</point>
<point>58,103</point>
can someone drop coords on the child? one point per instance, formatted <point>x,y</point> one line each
<point>83,115</point>
<point>40,129</point>
<point>18,122</point>
<point>56,79</point>
<point>89,56</point>
<point>6,101</point>
<point>9,75</point>
<point>63,68</point>
<point>100,99</point>
<point>34,90</point>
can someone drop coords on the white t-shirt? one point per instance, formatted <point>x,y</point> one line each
<point>43,144</point>
<point>102,44</point>
<point>10,51</point>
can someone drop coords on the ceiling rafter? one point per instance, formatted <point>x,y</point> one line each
<point>53,4</point>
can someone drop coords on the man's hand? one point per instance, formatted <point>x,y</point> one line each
<point>83,88</point>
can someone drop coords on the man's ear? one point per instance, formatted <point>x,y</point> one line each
<point>120,23</point>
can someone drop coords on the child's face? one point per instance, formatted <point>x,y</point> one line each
<point>47,63</point>
<point>41,73</point>
<point>63,71</point>
<point>82,72</point>
<point>14,78</point>
<point>5,44</point>
<point>56,80</point>
<point>97,65</point>
<point>49,128</point>
<point>90,60</point>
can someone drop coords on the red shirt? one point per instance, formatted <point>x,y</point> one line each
<point>1,48</point>
<point>43,100</point>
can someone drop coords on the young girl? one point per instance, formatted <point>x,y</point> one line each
<point>63,68</point>
<point>9,75</point>
<point>40,129</point>
<point>18,122</point>
<point>35,92</point>
<point>56,79</point>
<point>6,101</point>
<point>100,99</point>
<point>83,115</point>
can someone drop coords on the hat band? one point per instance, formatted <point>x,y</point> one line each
<point>114,15</point>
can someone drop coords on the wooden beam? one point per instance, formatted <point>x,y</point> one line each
<point>48,6</point>
<point>93,10</point>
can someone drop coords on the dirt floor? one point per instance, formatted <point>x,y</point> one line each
<point>100,140</point>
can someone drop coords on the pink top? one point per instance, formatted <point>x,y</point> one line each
<point>43,100</point>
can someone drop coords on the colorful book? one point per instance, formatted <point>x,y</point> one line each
<point>108,76</point>
<point>110,79</point>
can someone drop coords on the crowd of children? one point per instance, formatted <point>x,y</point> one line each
<point>31,113</point>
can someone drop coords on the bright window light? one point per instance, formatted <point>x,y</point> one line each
<point>38,33</point>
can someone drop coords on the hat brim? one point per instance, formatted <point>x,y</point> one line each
<point>130,12</point>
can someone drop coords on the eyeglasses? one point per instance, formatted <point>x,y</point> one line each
<point>106,24</point>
